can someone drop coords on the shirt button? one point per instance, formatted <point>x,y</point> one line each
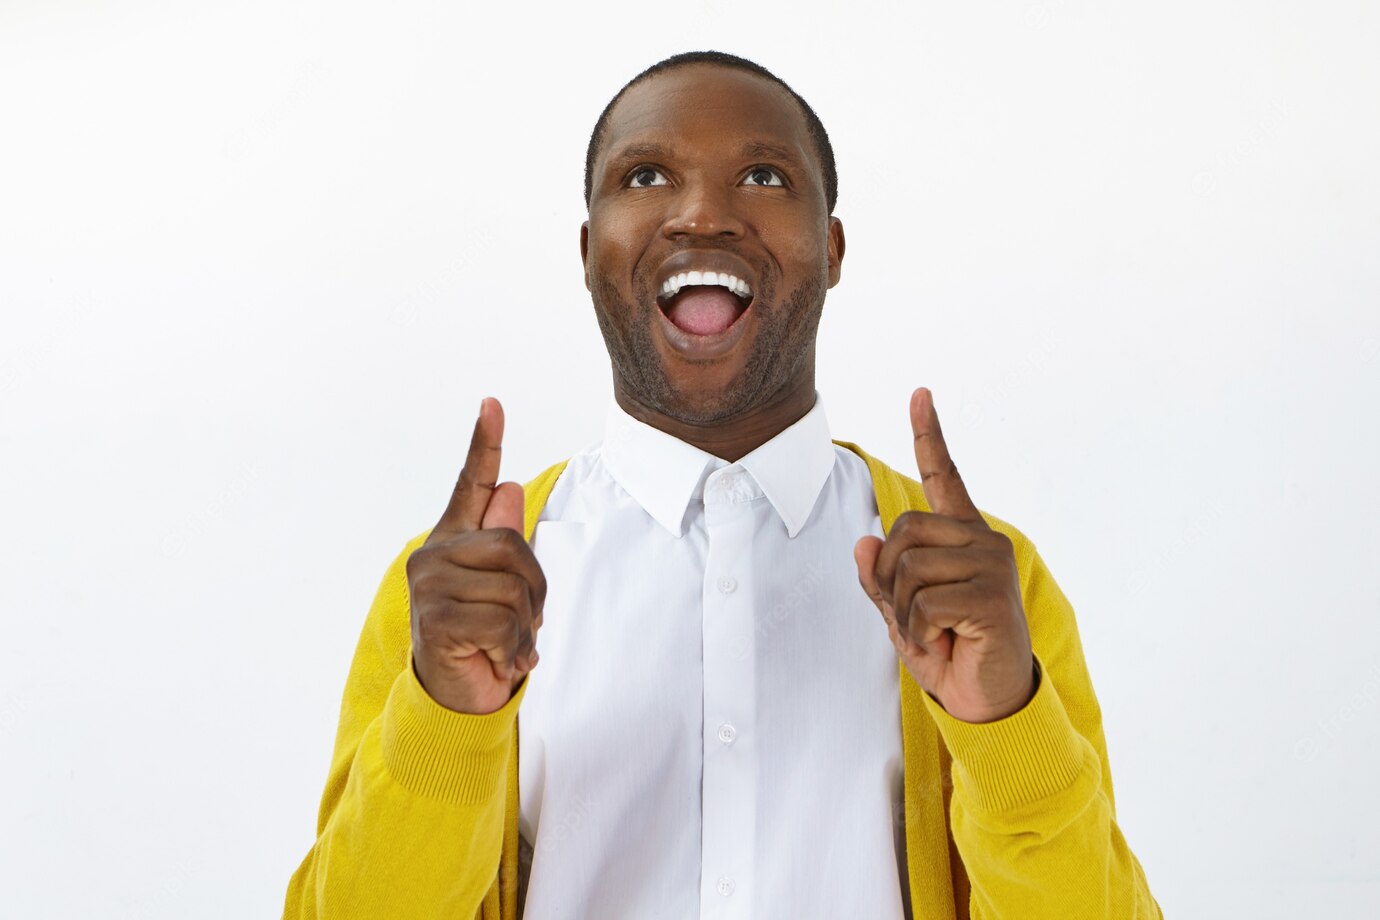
<point>725,886</point>
<point>728,584</point>
<point>727,733</point>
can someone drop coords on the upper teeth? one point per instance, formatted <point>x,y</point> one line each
<point>671,286</point>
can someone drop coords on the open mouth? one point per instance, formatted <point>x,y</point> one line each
<point>704,303</point>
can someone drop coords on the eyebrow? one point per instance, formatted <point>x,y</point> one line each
<point>764,150</point>
<point>750,150</point>
<point>640,152</point>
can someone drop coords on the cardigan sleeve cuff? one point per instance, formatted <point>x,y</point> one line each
<point>436,752</point>
<point>1030,754</point>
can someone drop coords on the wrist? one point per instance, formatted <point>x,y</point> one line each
<point>1031,754</point>
<point>996,713</point>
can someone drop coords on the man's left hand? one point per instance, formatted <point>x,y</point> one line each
<point>948,587</point>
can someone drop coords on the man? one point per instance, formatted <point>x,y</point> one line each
<point>720,727</point>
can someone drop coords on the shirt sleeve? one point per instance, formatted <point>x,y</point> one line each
<point>412,817</point>
<point>1033,814</point>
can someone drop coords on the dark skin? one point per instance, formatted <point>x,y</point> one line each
<point>703,163</point>
<point>702,119</point>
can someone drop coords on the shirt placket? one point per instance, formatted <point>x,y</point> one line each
<point>729,807</point>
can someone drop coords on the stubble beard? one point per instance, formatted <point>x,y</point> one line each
<point>784,339</point>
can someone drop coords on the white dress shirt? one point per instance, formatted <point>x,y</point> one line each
<point>714,727</point>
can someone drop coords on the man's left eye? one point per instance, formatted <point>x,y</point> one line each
<point>764,175</point>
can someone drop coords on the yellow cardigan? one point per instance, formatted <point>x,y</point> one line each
<point>1012,819</point>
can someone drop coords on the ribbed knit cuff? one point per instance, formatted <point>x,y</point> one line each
<point>442,754</point>
<point>1030,754</point>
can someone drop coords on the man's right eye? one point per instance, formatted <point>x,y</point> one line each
<point>646,177</point>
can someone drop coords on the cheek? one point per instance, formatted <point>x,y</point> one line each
<point>800,247</point>
<point>796,236</point>
<point>616,240</point>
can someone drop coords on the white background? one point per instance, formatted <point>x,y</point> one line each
<point>258,265</point>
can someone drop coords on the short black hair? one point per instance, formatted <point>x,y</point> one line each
<point>823,149</point>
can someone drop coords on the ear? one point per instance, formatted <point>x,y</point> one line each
<point>584,250</point>
<point>835,250</point>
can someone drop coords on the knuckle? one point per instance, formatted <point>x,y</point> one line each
<point>489,628</point>
<point>469,481</point>
<point>428,625</point>
<point>993,604</point>
<point>540,585</point>
<point>417,562</point>
<point>514,589</point>
<point>420,586</point>
<point>511,636</point>
<point>907,522</point>
<point>908,566</point>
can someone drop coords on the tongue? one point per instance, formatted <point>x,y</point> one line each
<point>704,310</point>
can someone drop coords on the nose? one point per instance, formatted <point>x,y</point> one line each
<point>701,209</point>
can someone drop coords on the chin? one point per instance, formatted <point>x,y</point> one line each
<point>699,402</point>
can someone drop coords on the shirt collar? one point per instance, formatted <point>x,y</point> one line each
<point>664,474</point>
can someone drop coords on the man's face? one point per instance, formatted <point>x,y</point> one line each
<point>707,168</point>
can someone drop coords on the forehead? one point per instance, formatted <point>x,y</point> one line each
<point>699,107</point>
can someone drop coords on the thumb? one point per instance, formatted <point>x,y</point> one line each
<point>865,553</point>
<point>505,507</point>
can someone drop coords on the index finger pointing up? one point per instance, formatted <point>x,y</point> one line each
<point>944,489</point>
<point>479,475</point>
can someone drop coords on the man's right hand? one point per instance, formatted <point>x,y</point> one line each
<point>477,590</point>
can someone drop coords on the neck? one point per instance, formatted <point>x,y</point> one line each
<point>733,438</point>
